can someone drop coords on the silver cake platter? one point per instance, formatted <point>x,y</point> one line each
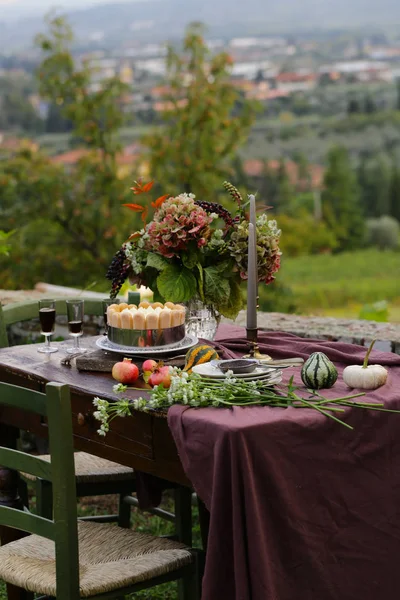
<point>166,350</point>
<point>142,338</point>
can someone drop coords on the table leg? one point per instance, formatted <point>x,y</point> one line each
<point>204,518</point>
<point>9,497</point>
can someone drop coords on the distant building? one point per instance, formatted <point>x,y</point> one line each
<point>383,52</point>
<point>250,69</point>
<point>361,71</point>
<point>296,82</point>
<point>256,169</point>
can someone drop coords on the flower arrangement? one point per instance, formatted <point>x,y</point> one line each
<point>193,249</point>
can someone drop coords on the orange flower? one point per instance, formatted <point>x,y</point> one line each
<point>135,207</point>
<point>142,188</point>
<point>157,203</point>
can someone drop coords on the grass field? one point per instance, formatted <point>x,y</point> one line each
<point>339,285</point>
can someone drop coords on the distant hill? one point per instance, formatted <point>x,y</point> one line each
<point>161,19</point>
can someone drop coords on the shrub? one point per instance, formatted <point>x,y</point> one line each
<point>383,233</point>
<point>302,235</point>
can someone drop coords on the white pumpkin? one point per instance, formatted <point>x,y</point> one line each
<point>365,377</point>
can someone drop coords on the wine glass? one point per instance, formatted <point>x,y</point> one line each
<point>47,317</point>
<point>75,312</point>
<point>106,303</point>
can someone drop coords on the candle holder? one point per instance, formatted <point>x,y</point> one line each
<point>254,352</point>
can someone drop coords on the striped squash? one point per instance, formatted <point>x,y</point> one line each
<point>198,355</point>
<point>319,372</point>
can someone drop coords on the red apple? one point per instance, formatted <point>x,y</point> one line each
<point>160,377</point>
<point>149,366</point>
<point>125,371</point>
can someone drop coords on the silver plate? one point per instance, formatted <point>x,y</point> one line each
<point>211,371</point>
<point>178,348</point>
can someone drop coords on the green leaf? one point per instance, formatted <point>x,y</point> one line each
<point>191,257</point>
<point>225,267</point>
<point>234,304</point>
<point>156,261</point>
<point>216,287</point>
<point>177,284</point>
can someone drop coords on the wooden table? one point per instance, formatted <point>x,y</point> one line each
<point>143,442</point>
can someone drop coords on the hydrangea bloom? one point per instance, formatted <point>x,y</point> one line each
<point>176,223</point>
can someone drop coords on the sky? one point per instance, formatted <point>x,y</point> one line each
<point>18,8</point>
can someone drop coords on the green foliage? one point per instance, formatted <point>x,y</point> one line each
<point>394,193</point>
<point>278,297</point>
<point>341,207</point>
<point>383,233</point>
<point>303,235</point>
<point>68,223</point>
<point>16,111</point>
<point>94,112</point>
<point>375,178</point>
<point>379,311</point>
<point>176,283</point>
<point>4,243</point>
<point>206,119</point>
<point>67,226</point>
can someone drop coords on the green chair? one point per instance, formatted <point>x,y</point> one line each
<point>69,559</point>
<point>95,476</point>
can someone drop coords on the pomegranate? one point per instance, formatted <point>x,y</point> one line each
<point>160,376</point>
<point>125,371</point>
<point>149,366</point>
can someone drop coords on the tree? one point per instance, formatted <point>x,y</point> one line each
<point>353,106</point>
<point>374,176</point>
<point>394,193</point>
<point>95,114</point>
<point>398,93</point>
<point>341,206</point>
<point>369,105</point>
<point>285,189</point>
<point>206,119</point>
<point>69,223</point>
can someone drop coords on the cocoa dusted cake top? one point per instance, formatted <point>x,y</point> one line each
<point>147,315</point>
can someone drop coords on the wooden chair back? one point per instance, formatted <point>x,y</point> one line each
<point>55,404</point>
<point>25,311</point>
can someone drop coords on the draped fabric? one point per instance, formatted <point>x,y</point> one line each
<point>301,507</point>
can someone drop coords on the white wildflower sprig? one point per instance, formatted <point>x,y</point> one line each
<point>193,391</point>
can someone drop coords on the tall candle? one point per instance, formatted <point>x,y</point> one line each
<point>253,220</point>
<point>251,280</point>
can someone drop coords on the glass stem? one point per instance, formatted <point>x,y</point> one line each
<point>77,343</point>
<point>47,341</point>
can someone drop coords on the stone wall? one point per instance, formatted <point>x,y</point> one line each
<point>347,330</point>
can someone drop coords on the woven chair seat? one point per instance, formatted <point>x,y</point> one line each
<point>93,469</point>
<point>110,558</point>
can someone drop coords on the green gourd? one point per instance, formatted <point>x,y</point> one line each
<point>319,372</point>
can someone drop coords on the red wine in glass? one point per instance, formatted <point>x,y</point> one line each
<point>47,318</point>
<point>75,327</point>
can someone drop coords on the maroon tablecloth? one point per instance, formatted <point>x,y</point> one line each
<point>301,507</point>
